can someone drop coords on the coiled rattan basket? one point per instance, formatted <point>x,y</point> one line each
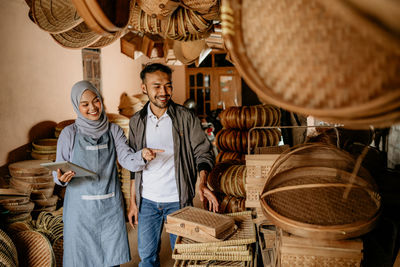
<point>315,57</point>
<point>318,191</point>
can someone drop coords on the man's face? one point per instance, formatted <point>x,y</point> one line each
<point>158,87</point>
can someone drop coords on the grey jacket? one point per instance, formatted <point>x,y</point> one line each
<point>192,149</point>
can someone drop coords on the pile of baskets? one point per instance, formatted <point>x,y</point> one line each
<point>330,61</point>
<point>232,140</point>
<point>44,149</point>
<point>37,183</point>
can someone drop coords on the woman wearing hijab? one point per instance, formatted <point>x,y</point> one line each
<point>94,225</point>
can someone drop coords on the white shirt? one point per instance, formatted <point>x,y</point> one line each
<point>159,183</point>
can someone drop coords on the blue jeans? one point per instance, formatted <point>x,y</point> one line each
<point>150,224</point>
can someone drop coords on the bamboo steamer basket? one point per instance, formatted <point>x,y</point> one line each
<point>8,251</point>
<point>43,193</point>
<point>20,208</point>
<point>324,199</point>
<point>35,179</point>
<point>45,145</point>
<point>28,168</point>
<point>247,117</point>
<point>21,184</point>
<point>339,65</point>
<point>229,155</point>
<point>51,201</point>
<point>46,156</point>
<point>34,249</point>
<point>160,9</point>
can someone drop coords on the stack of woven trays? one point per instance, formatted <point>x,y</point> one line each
<point>321,58</point>
<point>227,179</point>
<point>30,177</point>
<point>15,206</point>
<point>232,140</point>
<point>44,149</point>
<point>125,180</point>
<point>8,251</point>
<point>235,250</point>
<point>60,126</point>
<point>319,192</point>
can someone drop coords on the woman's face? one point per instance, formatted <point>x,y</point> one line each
<point>90,106</point>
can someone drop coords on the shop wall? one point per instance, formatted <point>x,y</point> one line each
<point>36,75</point>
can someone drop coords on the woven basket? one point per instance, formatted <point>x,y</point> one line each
<point>34,249</point>
<point>61,125</point>
<point>202,6</point>
<point>55,16</point>
<point>8,251</point>
<point>160,9</point>
<point>323,201</point>
<point>229,155</point>
<point>247,117</point>
<point>236,140</point>
<point>211,263</point>
<point>28,168</point>
<point>328,61</point>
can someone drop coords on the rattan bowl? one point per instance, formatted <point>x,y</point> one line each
<point>326,198</point>
<point>315,57</point>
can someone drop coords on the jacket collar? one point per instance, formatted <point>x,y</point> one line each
<point>170,110</point>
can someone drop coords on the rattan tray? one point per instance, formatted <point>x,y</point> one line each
<point>212,263</point>
<point>220,256</point>
<point>28,168</point>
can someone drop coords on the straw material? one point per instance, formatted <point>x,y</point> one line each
<point>21,217</point>
<point>245,234</point>
<point>79,37</point>
<point>229,155</point>
<point>329,62</point>
<point>47,144</point>
<point>212,263</point>
<point>212,249</point>
<point>160,9</point>
<point>28,168</point>
<point>52,201</point>
<point>34,249</point>
<point>55,16</point>
<point>220,256</point>
<point>188,52</point>
<point>22,208</point>
<point>331,197</point>
<point>202,6</point>
<point>13,200</point>
<point>8,251</point>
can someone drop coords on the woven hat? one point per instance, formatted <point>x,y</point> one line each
<point>77,38</point>
<point>188,52</point>
<point>202,6</point>
<point>55,16</point>
<point>160,9</point>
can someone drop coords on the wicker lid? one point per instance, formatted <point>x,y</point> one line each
<point>28,168</point>
<point>329,62</point>
<point>34,249</point>
<point>55,16</point>
<point>327,199</point>
<point>47,144</point>
<point>78,37</point>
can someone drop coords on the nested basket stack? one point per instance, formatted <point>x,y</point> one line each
<point>236,249</point>
<point>31,178</point>
<point>15,205</point>
<point>229,175</point>
<point>318,192</point>
<point>316,57</point>
<point>8,251</point>
<point>44,149</point>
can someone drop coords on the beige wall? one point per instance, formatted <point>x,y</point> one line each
<point>36,76</point>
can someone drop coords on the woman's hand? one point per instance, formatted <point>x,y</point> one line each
<point>149,154</point>
<point>65,177</point>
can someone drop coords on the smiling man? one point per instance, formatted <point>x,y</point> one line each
<point>168,182</point>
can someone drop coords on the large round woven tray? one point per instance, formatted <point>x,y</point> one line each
<point>8,251</point>
<point>315,57</point>
<point>324,200</point>
<point>28,168</point>
<point>34,249</point>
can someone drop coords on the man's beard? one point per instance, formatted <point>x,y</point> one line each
<point>158,104</point>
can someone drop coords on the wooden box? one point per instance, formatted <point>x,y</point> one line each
<point>295,251</point>
<point>200,225</point>
<point>130,43</point>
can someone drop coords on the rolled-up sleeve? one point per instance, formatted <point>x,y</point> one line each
<point>127,157</point>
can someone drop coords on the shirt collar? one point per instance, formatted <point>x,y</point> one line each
<point>151,115</point>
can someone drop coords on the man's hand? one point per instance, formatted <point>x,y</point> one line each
<point>149,154</point>
<point>206,195</point>
<point>133,214</point>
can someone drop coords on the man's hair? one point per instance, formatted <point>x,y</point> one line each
<point>153,67</point>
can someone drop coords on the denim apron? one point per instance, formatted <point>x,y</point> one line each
<point>94,224</point>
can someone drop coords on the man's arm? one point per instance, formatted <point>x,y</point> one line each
<point>205,194</point>
<point>133,209</point>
